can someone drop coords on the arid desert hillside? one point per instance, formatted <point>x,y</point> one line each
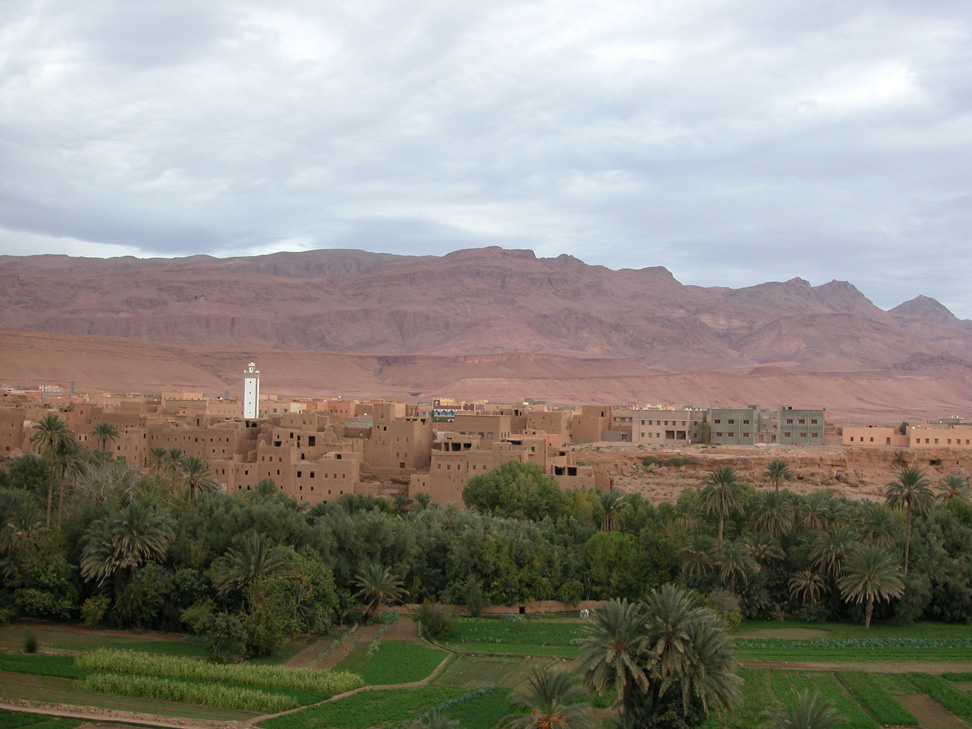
<point>488,323</point>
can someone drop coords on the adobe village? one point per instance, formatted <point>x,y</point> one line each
<point>319,449</point>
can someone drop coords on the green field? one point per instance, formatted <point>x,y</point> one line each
<point>493,659</point>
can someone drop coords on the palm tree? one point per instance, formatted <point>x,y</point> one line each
<point>808,586</point>
<point>805,711</point>
<point>736,562</point>
<point>778,471</point>
<point>160,457</point>
<point>688,645</point>
<point>764,547</point>
<point>830,550</point>
<point>123,541</point>
<point>401,503</point>
<point>69,465</point>
<point>697,555</point>
<point>610,501</point>
<point>877,525</point>
<point>376,586</point>
<point>773,512</point>
<point>197,475</point>
<point>913,492</point>
<point>105,432</point>
<point>723,495</point>
<point>872,573</point>
<point>253,557</point>
<point>954,487</point>
<point>553,700</point>
<point>49,433</point>
<point>613,648</point>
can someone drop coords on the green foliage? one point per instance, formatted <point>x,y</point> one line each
<point>572,591</point>
<point>15,720</point>
<point>393,662</point>
<point>870,692</point>
<point>29,644</point>
<point>366,709</point>
<point>41,665</point>
<point>651,461</point>
<point>436,620</point>
<point>227,638</point>
<point>94,609</point>
<point>146,664</point>
<point>475,600</point>
<point>517,490</point>
<point>208,694</point>
<point>956,701</point>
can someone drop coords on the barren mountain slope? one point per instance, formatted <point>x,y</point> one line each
<point>473,302</point>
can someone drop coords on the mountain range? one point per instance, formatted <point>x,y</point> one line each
<point>507,305</point>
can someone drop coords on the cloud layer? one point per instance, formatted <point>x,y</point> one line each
<point>732,142</point>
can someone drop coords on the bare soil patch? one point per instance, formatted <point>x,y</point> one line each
<point>785,633</point>
<point>930,714</point>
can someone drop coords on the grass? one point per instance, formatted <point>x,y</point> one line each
<point>366,709</point>
<point>871,693</point>
<point>11,637</point>
<point>41,665</point>
<point>855,649</point>
<point>17,720</point>
<point>757,695</point>
<point>396,661</point>
<point>953,699</point>
<point>475,671</point>
<point>517,637</point>
<point>786,684</point>
<point>483,711</point>
<point>850,630</point>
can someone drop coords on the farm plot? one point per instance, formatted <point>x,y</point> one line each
<point>518,636</point>
<point>392,662</point>
<point>15,720</point>
<point>856,649</point>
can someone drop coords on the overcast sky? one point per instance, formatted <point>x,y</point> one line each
<point>731,142</point>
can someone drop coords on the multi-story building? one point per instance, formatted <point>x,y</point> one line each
<point>801,427</point>
<point>940,436</point>
<point>652,427</point>
<point>734,426</point>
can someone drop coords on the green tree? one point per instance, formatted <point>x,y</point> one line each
<point>954,487</point>
<point>105,433</point>
<point>913,493</point>
<point>69,466</point>
<point>777,472</point>
<point>671,660</point>
<point>830,550</point>
<point>736,563</point>
<point>805,710</point>
<point>872,574</point>
<point>252,557</point>
<point>518,490</point>
<point>377,586</point>
<point>723,495</point>
<point>611,502</point>
<point>553,700</point>
<point>772,511</point>
<point>48,434</point>
<point>195,471</point>
<point>122,541</point>
<point>807,586</point>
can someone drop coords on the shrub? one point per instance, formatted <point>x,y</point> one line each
<point>571,591</point>
<point>197,616</point>
<point>651,461</point>
<point>436,620</point>
<point>30,642</point>
<point>475,600</point>
<point>227,638</point>
<point>94,608</point>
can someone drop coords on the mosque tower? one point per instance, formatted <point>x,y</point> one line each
<point>251,392</point>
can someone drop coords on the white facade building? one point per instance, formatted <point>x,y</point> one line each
<point>251,392</point>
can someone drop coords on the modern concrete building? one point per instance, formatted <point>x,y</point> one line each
<point>734,426</point>
<point>801,427</point>
<point>660,426</point>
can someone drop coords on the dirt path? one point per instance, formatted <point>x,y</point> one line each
<point>94,714</point>
<point>929,713</point>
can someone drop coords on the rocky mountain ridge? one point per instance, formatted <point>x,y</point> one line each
<point>480,301</point>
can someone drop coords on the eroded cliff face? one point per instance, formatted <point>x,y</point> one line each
<point>857,473</point>
<point>483,301</point>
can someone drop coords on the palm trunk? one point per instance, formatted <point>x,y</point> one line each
<point>868,612</point>
<point>50,489</point>
<point>907,540</point>
<point>722,524</point>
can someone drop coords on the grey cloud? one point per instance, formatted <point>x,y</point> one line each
<point>733,143</point>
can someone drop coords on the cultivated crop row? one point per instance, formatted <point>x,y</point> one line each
<point>147,664</point>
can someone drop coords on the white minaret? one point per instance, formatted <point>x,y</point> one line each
<point>251,392</point>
